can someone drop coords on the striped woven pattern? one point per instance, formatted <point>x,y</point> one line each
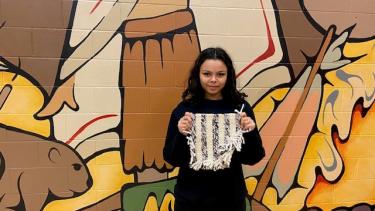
<point>213,139</point>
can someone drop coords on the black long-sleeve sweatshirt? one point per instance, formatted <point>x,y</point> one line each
<point>227,184</point>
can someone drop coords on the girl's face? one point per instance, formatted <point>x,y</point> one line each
<point>213,76</point>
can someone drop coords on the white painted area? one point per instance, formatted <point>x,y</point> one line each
<point>97,93</point>
<point>240,28</point>
<point>91,32</point>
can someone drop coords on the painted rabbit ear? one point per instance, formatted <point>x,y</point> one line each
<point>54,155</point>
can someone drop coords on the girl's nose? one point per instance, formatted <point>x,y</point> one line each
<point>213,79</point>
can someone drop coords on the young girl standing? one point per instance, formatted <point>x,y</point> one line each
<point>211,90</point>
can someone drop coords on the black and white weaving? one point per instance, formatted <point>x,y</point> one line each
<point>213,139</point>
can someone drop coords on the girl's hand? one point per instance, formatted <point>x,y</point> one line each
<point>246,123</point>
<point>185,123</point>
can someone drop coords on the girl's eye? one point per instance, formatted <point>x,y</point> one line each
<point>206,74</point>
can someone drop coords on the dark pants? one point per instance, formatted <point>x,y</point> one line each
<point>208,205</point>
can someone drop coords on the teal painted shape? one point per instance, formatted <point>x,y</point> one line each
<point>248,207</point>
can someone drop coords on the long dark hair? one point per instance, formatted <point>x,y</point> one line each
<point>194,92</point>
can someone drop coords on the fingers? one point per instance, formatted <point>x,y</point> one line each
<point>243,114</point>
<point>247,124</point>
<point>188,116</point>
<point>185,123</point>
<point>251,125</point>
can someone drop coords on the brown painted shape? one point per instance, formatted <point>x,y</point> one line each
<point>145,125</point>
<point>149,175</point>
<point>257,206</point>
<point>140,95</point>
<point>266,176</point>
<point>63,95</point>
<point>298,32</point>
<point>36,169</point>
<point>33,35</point>
<point>146,153</point>
<point>133,66</point>
<point>170,96</point>
<point>344,14</point>
<point>156,50</point>
<point>287,165</point>
<point>4,93</point>
<point>162,24</point>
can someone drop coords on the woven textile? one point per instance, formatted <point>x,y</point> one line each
<point>213,139</point>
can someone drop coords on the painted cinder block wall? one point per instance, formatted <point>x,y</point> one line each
<point>87,88</point>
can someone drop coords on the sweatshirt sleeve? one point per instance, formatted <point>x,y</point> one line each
<point>176,149</point>
<point>252,151</point>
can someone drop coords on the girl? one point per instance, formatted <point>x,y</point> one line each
<point>212,90</point>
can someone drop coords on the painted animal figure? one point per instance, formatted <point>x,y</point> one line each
<point>34,171</point>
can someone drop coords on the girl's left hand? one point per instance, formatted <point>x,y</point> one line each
<point>246,123</point>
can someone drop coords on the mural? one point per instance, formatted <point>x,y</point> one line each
<point>87,87</point>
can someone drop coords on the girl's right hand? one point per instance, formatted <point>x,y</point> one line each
<point>185,123</point>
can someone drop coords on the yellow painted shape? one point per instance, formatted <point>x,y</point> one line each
<point>168,201</point>
<point>151,204</point>
<point>251,183</point>
<point>23,102</point>
<point>265,107</point>
<point>359,170</point>
<point>294,200</point>
<point>357,153</point>
<point>358,49</point>
<point>270,196</point>
<point>173,173</point>
<point>107,180</point>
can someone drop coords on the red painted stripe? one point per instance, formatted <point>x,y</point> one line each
<point>96,6</point>
<point>269,51</point>
<point>81,129</point>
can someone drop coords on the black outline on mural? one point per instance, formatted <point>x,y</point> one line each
<point>322,30</point>
<point>24,131</point>
<point>334,134</point>
<point>355,207</point>
<point>170,36</point>
<point>120,84</point>
<point>21,204</point>
<point>3,24</point>
<point>285,58</point>
<point>18,71</point>
<point>7,94</point>
<point>2,168</point>
<point>135,184</point>
<point>313,130</point>
<point>160,36</point>
<point>98,202</point>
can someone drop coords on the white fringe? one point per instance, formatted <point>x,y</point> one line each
<point>225,152</point>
